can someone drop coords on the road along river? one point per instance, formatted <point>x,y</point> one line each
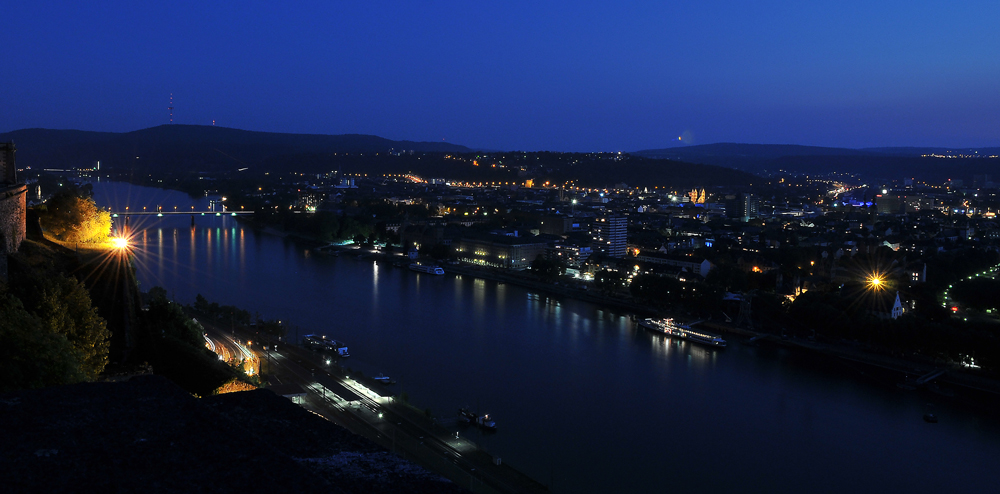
<point>584,400</point>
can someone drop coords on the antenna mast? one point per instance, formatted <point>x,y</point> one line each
<point>171,107</point>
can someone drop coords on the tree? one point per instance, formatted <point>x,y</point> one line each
<point>167,320</point>
<point>63,306</point>
<point>822,312</point>
<point>728,277</point>
<point>609,282</point>
<point>658,290</point>
<point>200,302</point>
<point>546,269</point>
<point>30,356</point>
<point>327,225</point>
<point>174,345</point>
<point>272,327</point>
<point>439,251</point>
<point>66,309</point>
<point>72,218</point>
<point>979,293</point>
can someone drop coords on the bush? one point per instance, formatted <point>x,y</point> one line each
<point>70,217</point>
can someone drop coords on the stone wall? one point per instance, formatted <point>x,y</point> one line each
<point>12,222</point>
<point>12,217</point>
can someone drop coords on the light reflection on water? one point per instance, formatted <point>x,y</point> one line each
<point>375,270</point>
<point>479,292</point>
<point>175,244</point>
<point>243,252</point>
<point>584,398</point>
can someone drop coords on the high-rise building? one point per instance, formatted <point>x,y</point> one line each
<point>890,203</point>
<point>611,235</point>
<point>744,206</point>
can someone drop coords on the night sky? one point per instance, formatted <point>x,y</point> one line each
<point>539,75</point>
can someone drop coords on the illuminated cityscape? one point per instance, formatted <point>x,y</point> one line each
<point>452,247</point>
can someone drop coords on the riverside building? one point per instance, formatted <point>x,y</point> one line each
<point>611,235</point>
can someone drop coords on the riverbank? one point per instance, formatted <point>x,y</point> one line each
<point>906,367</point>
<point>364,406</point>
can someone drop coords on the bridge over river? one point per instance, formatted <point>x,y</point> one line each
<point>116,214</point>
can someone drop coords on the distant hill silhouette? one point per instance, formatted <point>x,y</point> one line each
<point>195,147</point>
<point>180,150</point>
<point>755,151</point>
<point>888,162</point>
<point>649,172</point>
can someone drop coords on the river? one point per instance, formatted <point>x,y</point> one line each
<point>584,400</point>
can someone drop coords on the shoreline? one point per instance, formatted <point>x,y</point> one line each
<point>955,376</point>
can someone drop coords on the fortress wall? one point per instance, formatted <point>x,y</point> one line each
<point>12,217</point>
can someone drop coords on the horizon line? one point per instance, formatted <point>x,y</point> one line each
<point>480,149</point>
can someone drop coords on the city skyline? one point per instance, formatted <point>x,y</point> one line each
<point>562,77</point>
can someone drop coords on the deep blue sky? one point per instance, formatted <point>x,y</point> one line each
<point>567,75</point>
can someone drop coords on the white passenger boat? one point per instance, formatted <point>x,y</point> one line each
<point>669,327</point>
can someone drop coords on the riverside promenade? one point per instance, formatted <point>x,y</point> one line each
<point>368,408</point>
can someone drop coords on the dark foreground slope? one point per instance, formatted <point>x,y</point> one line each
<point>148,435</point>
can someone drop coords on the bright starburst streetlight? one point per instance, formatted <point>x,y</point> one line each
<point>120,242</point>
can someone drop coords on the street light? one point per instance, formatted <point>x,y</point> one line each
<point>876,282</point>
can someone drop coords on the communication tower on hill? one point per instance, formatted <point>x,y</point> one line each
<point>171,108</point>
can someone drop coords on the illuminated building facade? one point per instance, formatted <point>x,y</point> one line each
<point>691,264</point>
<point>511,252</point>
<point>571,255</point>
<point>697,196</point>
<point>610,233</point>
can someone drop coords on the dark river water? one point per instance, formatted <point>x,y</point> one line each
<point>584,400</point>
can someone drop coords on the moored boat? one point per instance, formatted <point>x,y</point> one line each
<point>426,268</point>
<point>669,327</point>
<point>486,422</point>
<point>321,343</point>
<point>467,416</point>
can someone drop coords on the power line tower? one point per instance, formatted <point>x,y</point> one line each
<point>171,108</point>
<point>745,316</point>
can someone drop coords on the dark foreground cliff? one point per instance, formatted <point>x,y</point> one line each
<point>148,435</point>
